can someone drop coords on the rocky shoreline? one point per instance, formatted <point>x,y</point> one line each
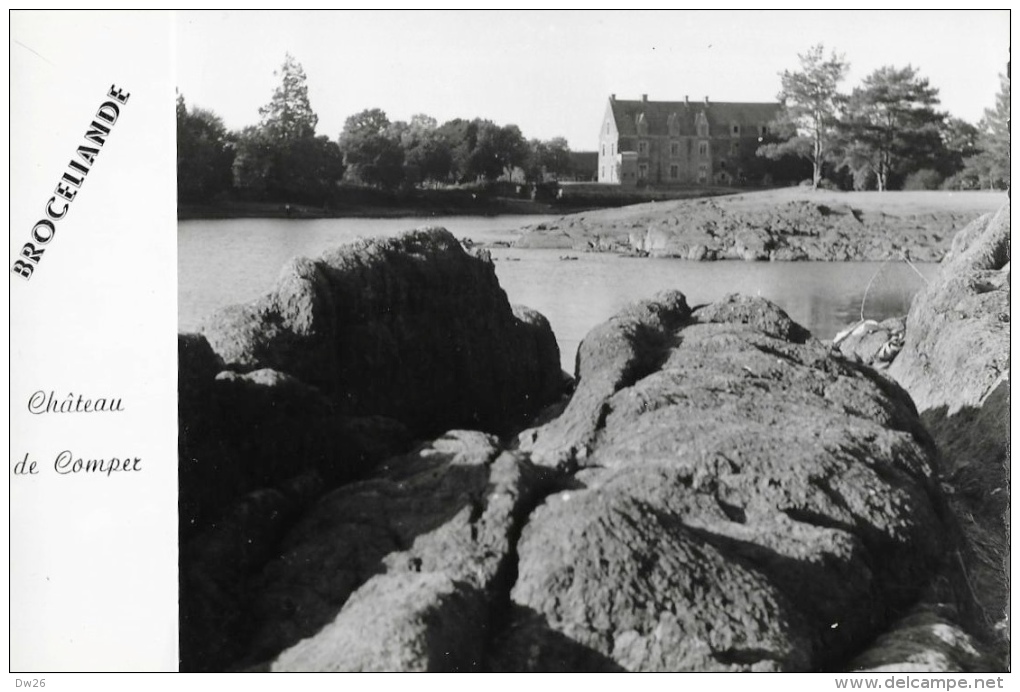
<point>382,467</point>
<point>780,225</point>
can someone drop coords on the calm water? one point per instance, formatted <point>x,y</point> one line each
<point>232,261</point>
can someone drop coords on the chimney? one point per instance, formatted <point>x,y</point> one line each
<point>706,100</point>
<point>644,98</point>
<point>612,97</point>
<point>687,100</point>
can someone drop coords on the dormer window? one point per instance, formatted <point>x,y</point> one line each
<point>702,125</point>
<point>735,129</point>
<point>642,124</point>
<point>673,124</point>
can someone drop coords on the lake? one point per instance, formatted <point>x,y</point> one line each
<point>222,262</point>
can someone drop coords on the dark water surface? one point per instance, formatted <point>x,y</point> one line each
<point>223,262</point>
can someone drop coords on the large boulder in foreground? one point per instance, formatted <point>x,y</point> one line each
<point>412,328</point>
<point>742,500</point>
<point>346,362</point>
<point>956,365</point>
<point>957,340</point>
<point>721,493</point>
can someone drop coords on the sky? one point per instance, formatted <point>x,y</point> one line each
<point>551,72</point>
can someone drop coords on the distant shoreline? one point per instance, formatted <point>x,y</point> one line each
<point>272,210</point>
<point>366,203</point>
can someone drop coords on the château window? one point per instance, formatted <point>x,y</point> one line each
<point>642,148</point>
<point>603,149</point>
<point>642,171</point>
<point>703,149</point>
<point>674,172</point>
<point>735,148</point>
<point>736,130</point>
<point>703,175</point>
<point>764,130</point>
<point>674,148</point>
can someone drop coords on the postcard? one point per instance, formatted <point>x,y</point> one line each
<point>509,341</point>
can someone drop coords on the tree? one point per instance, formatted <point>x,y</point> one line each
<point>425,149</point>
<point>204,155</point>
<point>890,126</point>
<point>371,153</point>
<point>498,150</point>
<point>807,120</point>
<point>288,116</point>
<point>281,159</point>
<point>460,137</point>
<point>991,165</point>
<point>959,143</point>
<point>551,157</point>
<point>252,162</point>
<point>482,149</point>
<point>307,170</point>
<point>534,169</point>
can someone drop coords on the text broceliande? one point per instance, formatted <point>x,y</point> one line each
<point>70,183</point>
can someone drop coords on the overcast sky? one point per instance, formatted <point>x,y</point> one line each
<point>551,72</point>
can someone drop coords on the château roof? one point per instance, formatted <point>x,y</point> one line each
<point>721,115</point>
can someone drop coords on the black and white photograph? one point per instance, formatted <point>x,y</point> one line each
<point>534,342</point>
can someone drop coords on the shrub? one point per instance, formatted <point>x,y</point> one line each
<point>964,180</point>
<point>924,179</point>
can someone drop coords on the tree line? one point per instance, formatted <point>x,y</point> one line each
<point>886,133</point>
<point>282,159</point>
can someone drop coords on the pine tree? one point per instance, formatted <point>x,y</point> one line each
<point>890,126</point>
<point>806,123</point>
<point>991,165</point>
<point>289,115</point>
